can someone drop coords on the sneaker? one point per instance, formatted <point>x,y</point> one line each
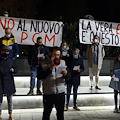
<point>76,108</point>
<point>39,92</point>
<point>116,110</point>
<point>10,117</point>
<point>97,88</point>
<point>91,88</point>
<point>30,93</point>
<point>66,108</point>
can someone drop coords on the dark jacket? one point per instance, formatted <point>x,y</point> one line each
<point>65,58</point>
<point>7,85</point>
<point>75,76</point>
<point>33,53</point>
<point>12,42</point>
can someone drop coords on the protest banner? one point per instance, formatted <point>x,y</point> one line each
<point>26,31</point>
<point>108,32</point>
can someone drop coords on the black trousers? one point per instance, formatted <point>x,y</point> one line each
<point>116,98</point>
<point>49,101</point>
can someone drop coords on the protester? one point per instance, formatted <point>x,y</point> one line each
<point>75,66</point>
<point>9,40</point>
<point>116,87</point>
<point>66,52</point>
<point>7,86</point>
<point>37,53</point>
<point>95,54</point>
<point>6,14</point>
<point>53,84</point>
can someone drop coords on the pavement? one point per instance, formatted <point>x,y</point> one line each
<point>85,113</point>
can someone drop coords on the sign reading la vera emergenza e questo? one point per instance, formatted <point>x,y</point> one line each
<point>108,32</point>
<point>26,31</point>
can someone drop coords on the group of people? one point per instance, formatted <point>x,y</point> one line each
<point>55,69</point>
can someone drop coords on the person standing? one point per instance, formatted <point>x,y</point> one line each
<point>76,67</point>
<point>7,85</point>
<point>95,54</point>
<point>9,40</point>
<point>53,84</point>
<point>116,68</point>
<point>66,52</point>
<point>37,53</point>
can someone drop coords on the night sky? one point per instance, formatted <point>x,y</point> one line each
<point>70,10</point>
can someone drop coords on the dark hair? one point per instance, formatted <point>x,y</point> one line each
<point>39,38</point>
<point>64,42</point>
<point>56,48</point>
<point>7,28</point>
<point>95,36</point>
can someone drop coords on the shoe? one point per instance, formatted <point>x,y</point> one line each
<point>66,108</point>
<point>10,117</point>
<point>116,110</point>
<point>91,88</point>
<point>39,92</point>
<point>30,93</point>
<point>97,88</point>
<point>76,108</point>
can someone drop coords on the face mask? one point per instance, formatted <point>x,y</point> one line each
<point>8,36</point>
<point>96,40</point>
<point>6,15</point>
<point>64,47</point>
<point>75,56</point>
<point>5,55</point>
<point>119,58</point>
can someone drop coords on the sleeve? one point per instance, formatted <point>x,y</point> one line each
<point>67,77</point>
<point>42,74</point>
<point>47,52</point>
<point>15,67</point>
<point>16,48</point>
<point>30,55</point>
<point>82,66</point>
<point>87,51</point>
<point>103,52</point>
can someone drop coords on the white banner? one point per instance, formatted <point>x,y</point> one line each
<point>26,31</point>
<point>108,32</point>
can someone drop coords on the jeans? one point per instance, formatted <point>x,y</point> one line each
<point>75,88</point>
<point>33,70</point>
<point>116,98</point>
<point>10,104</point>
<point>49,101</point>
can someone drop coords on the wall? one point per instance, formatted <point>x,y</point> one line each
<point>24,69</point>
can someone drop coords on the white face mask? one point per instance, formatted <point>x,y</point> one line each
<point>64,47</point>
<point>8,36</point>
<point>6,15</point>
<point>96,40</point>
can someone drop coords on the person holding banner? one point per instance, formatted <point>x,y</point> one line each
<point>54,73</point>
<point>37,53</point>
<point>115,81</point>
<point>7,85</point>
<point>76,67</point>
<point>95,54</point>
<point>9,40</point>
